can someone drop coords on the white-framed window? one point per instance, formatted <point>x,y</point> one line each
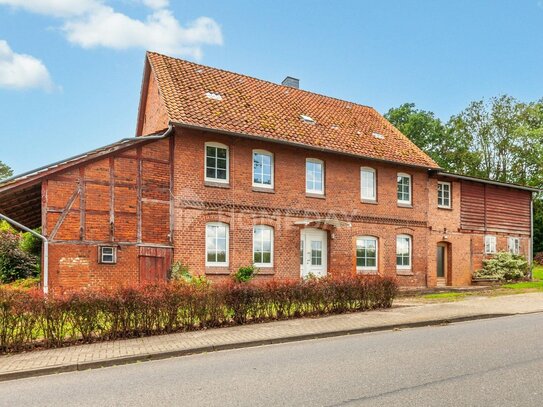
<point>217,237</point>
<point>367,258</point>
<point>403,252</point>
<point>513,244</point>
<point>443,194</point>
<point>404,188</point>
<point>216,162</point>
<point>263,246</point>
<point>368,184</point>
<point>490,244</point>
<point>314,176</point>
<point>107,254</point>
<point>262,169</point>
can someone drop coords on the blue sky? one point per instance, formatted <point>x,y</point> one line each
<point>70,70</point>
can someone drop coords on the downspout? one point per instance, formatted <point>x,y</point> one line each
<point>45,249</point>
<point>531,251</point>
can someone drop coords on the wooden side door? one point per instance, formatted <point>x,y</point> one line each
<point>154,264</point>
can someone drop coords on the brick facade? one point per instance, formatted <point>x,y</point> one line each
<point>123,200</point>
<point>149,200</point>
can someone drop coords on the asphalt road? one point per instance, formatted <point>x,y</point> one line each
<point>496,362</point>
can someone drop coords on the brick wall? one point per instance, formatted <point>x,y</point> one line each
<point>241,206</point>
<point>122,200</point>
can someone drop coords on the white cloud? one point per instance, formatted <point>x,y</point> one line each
<point>159,32</point>
<point>92,23</point>
<point>20,71</point>
<point>56,8</point>
<point>156,4</point>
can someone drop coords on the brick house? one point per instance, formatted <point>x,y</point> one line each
<point>227,170</point>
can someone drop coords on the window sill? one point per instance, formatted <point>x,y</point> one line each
<point>445,208</point>
<point>371,272</point>
<point>405,205</point>
<point>404,272</point>
<point>317,196</point>
<point>265,271</point>
<point>212,184</point>
<point>219,270</point>
<point>368,201</point>
<point>264,190</point>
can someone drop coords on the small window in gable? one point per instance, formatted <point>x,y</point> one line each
<point>107,254</point>
<point>368,184</point>
<point>216,162</point>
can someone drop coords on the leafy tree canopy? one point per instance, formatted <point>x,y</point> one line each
<point>500,139</point>
<point>5,171</point>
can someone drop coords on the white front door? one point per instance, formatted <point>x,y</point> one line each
<point>313,252</point>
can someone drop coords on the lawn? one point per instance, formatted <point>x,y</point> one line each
<point>505,289</point>
<point>448,296</point>
<point>538,272</point>
<point>537,284</point>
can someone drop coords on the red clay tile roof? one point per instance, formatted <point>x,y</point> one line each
<point>263,109</point>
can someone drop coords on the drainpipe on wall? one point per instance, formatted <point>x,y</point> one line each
<point>531,252</point>
<point>45,249</point>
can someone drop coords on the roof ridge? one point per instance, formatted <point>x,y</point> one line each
<point>264,80</point>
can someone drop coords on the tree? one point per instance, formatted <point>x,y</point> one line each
<point>5,171</point>
<point>501,140</point>
<point>432,136</point>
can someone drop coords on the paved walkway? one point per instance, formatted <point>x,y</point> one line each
<point>405,314</point>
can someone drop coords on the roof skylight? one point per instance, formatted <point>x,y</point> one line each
<point>307,119</point>
<point>378,135</point>
<point>213,95</point>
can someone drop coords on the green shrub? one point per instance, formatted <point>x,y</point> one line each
<point>26,283</point>
<point>180,272</point>
<point>245,273</point>
<point>15,263</point>
<point>504,266</point>
<point>29,318</point>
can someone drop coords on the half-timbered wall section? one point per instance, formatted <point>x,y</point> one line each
<point>122,201</point>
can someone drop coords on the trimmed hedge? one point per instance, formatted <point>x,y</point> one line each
<point>29,319</point>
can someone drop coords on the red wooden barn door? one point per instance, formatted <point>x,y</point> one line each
<point>154,264</point>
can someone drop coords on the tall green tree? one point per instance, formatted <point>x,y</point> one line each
<point>431,135</point>
<point>500,139</point>
<point>5,171</point>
